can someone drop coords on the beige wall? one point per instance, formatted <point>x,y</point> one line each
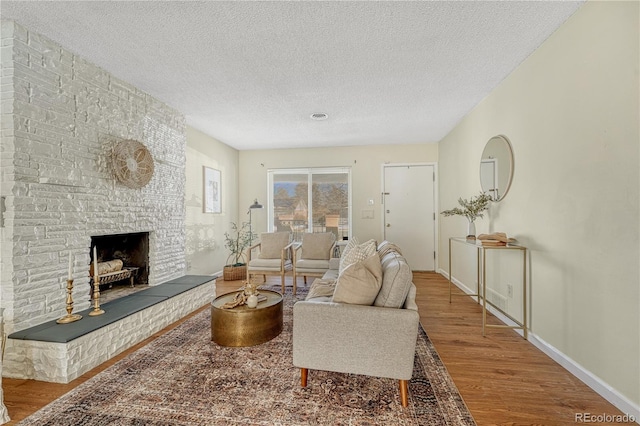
<point>571,113</point>
<point>366,168</point>
<point>205,231</point>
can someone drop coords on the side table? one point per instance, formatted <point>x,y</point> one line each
<point>244,326</point>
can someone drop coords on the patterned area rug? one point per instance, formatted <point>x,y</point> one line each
<point>182,378</point>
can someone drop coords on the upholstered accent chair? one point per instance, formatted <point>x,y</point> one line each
<point>270,256</point>
<point>311,257</point>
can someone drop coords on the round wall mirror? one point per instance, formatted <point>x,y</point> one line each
<point>496,167</point>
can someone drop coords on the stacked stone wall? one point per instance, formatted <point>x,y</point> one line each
<point>61,118</point>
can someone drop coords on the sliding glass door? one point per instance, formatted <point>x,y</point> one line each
<point>310,200</point>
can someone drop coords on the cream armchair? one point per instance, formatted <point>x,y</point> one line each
<point>270,256</point>
<point>311,257</point>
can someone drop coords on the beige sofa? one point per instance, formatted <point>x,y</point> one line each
<point>376,340</point>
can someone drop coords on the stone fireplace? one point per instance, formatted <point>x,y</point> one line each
<point>63,120</point>
<point>132,252</point>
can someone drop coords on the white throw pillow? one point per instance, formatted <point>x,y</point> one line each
<point>353,242</point>
<point>357,253</point>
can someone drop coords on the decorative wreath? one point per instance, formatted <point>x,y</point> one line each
<point>132,163</point>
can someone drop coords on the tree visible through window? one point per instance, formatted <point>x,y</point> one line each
<point>326,208</point>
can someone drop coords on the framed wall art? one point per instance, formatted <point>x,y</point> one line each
<point>212,191</point>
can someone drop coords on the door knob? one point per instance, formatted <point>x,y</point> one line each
<point>388,225</point>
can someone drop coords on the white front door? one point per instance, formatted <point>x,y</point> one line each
<point>489,177</point>
<point>409,212</point>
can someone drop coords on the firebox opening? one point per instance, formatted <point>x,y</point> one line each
<point>123,261</point>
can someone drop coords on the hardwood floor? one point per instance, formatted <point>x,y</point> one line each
<point>503,379</point>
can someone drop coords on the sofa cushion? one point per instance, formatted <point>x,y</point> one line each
<point>386,247</point>
<point>265,263</point>
<point>313,263</point>
<point>268,265</point>
<point>410,302</point>
<point>321,288</point>
<point>307,266</point>
<point>360,282</point>
<point>330,274</point>
<point>317,245</point>
<point>357,253</point>
<point>334,263</point>
<point>272,243</point>
<point>396,281</point>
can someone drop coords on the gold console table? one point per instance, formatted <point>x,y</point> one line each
<point>481,265</point>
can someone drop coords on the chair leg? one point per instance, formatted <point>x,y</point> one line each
<point>404,392</point>
<point>305,280</point>
<point>303,377</point>
<point>282,280</point>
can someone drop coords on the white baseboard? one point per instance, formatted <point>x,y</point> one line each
<point>598,385</point>
<point>594,382</point>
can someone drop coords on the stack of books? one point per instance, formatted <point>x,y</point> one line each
<point>496,239</point>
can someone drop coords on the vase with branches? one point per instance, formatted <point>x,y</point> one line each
<point>237,242</point>
<point>471,209</point>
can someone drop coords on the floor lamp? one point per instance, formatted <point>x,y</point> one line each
<point>255,205</point>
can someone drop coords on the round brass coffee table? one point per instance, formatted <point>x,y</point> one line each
<point>243,326</point>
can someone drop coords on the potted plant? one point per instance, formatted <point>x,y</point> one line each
<point>237,242</point>
<point>471,209</point>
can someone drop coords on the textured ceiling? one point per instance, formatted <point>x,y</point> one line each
<point>250,74</point>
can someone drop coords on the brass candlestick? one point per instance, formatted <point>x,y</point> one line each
<point>96,298</point>
<point>69,317</point>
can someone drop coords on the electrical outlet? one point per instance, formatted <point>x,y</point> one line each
<point>510,290</point>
